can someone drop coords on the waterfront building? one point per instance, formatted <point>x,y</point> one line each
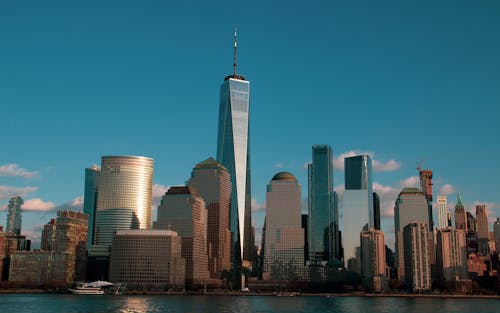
<point>124,198</point>
<point>416,256</point>
<point>90,199</point>
<point>284,246</point>
<point>10,244</point>
<point>39,268</point>
<point>373,263</point>
<point>213,183</point>
<point>442,212</point>
<point>476,266</point>
<point>410,206</point>
<point>14,219</point>
<point>460,215</point>
<point>482,229</point>
<point>451,250</point>
<point>323,239</point>
<point>472,245</point>
<point>147,259</point>
<point>357,206</point>
<point>183,210</point>
<point>233,152</point>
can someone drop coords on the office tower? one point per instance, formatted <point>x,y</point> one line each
<point>426,187</point>
<point>323,217</point>
<point>410,206</point>
<point>496,233</point>
<point>357,205</point>
<point>124,197</point>
<point>442,212</point>
<point>284,246</point>
<point>213,183</point>
<point>416,256</point>
<point>460,215</point>
<point>451,254</point>
<point>373,264</point>
<point>147,259</point>
<point>376,211</point>
<point>233,151</point>
<point>471,225</point>
<point>448,218</point>
<point>183,210</point>
<point>305,224</point>
<point>49,236</point>
<point>482,229</point>
<point>90,199</point>
<point>14,216</point>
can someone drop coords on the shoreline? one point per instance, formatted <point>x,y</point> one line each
<point>269,294</point>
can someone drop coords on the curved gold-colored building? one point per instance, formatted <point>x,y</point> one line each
<point>126,182</point>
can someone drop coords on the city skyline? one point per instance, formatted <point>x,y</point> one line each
<point>422,73</point>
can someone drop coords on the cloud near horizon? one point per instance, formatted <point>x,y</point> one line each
<point>257,206</point>
<point>377,166</point>
<point>7,192</point>
<point>13,170</point>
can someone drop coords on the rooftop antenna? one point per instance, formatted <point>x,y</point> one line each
<point>235,46</point>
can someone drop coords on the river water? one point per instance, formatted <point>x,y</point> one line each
<point>50,303</point>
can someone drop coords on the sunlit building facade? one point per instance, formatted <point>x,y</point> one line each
<point>357,206</point>
<point>416,256</point>
<point>233,152</point>
<point>482,229</point>
<point>460,215</point>
<point>451,253</point>
<point>90,199</point>
<point>442,212</point>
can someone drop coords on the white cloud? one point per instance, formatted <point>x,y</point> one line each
<point>389,166</point>
<point>77,202</point>
<point>446,190</point>
<point>388,196</point>
<point>7,192</point>
<point>256,206</point>
<point>377,166</point>
<point>158,191</point>
<point>412,181</point>
<point>37,204</point>
<point>13,170</point>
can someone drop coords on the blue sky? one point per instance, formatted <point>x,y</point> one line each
<point>402,80</point>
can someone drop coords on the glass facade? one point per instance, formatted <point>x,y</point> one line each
<point>233,153</point>
<point>109,221</point>
<point>90,199</point>
<point>358,210</point>
<point>323,219</point>
<point>126,182</point>
<point>14,216</point>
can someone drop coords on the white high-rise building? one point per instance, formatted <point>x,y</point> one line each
<point>442,212</point>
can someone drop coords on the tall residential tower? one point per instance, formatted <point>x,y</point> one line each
<point>14,216</point>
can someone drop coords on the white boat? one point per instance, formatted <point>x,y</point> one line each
<point>93,288</point>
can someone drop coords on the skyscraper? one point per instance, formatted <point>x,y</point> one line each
<point>482,229</point>
<point>14,216</point>
<point>376,211</point>
<point>213,183</point>
<point>123,197</point>
<point>416,255</point>
<point>460,215</point>
<point>496,233</point>
<point>284,246</point>
<point>451,254</point>
<point>442,212</point>
<point>90,199</point>
<point>323,217</point>
<point>233,152</point>
<point>357,206</point>
<point>183,210</point>
<point>426,187</point>
<point>410,206</point>
<point>373,263</point>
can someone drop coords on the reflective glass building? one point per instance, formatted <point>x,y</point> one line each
<point>90,199</point>
<point>323,234</point>
<point>234,154</point>
<point>357,206</point>
<point>14,216</point>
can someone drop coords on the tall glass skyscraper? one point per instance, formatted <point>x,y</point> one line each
<point>90,199</point>
<point>14,216</point>
<point>323,217</point>
<point>357,206</point>
<point>233,152</point>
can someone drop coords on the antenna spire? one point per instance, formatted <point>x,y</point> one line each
<point>235,41</point>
